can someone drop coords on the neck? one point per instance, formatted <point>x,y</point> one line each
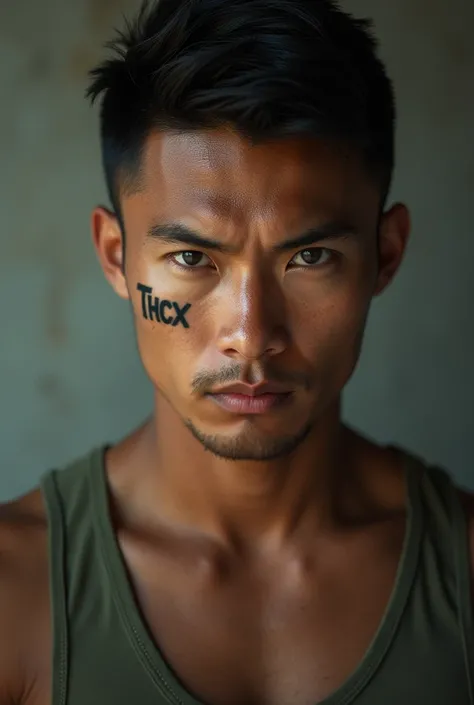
<point>251,503</point>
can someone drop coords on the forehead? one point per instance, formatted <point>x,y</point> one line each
<point>220,174</point>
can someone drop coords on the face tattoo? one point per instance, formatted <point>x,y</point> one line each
<point>155,309</point>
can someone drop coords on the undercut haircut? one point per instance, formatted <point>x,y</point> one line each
<point>268,69</point>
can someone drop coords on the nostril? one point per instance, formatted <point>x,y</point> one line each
<point>253,342</point>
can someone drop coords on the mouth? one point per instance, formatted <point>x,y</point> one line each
<point>250,403</point>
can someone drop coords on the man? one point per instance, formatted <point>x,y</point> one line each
<point>244,546</point>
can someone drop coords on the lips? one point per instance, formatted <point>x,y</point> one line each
<point>242,398</point>
<point>253,390</point>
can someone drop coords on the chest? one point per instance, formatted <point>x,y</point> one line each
<point>294,634</point>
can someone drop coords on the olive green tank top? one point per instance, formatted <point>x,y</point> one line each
<point>103,653</point>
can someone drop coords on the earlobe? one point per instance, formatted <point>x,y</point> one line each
<point>109,246</point>
<point>393,239</point>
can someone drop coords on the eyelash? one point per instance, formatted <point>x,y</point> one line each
<point>187,268</point>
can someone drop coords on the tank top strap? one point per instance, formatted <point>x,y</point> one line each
<point>58,587</point>
<point>67,499</point>
<point>449,528</point>
<point>462,558</point>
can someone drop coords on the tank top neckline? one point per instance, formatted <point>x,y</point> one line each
<point>148,652</point>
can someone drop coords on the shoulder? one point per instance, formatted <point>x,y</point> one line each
<point>467,502</point>
<point>24,595</point>
<point>448,485</point>
<point>23,535</point>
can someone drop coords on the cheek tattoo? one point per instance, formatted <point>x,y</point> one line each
<point>155,309</point>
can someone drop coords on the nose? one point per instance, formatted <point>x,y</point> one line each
<point>253,320</point>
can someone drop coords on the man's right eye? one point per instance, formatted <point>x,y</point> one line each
<point>190,259</point>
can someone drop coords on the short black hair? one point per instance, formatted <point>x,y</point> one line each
<point>269,69</point>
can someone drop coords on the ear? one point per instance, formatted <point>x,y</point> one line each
<point>108,243</point>
<point>394,233</point>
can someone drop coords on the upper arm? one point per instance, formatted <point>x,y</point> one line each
<point>471,544</point>
<point>10,657</point>
<point>23,600</point>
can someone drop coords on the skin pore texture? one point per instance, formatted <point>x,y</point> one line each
<point>248,537</point>
<point>257,307</point>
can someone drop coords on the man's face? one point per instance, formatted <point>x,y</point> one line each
<point>253,306</point>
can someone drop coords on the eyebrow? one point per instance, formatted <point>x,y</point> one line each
<point>177,233</point>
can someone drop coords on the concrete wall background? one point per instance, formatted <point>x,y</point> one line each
<point>69,372</point>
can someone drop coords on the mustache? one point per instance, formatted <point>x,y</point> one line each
<point>205,380</point>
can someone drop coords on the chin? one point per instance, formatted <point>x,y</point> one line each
<point>250,443</point>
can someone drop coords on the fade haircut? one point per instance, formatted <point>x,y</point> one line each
<point>269,69</point>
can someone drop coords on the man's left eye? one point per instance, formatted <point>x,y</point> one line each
<point>311,257</point>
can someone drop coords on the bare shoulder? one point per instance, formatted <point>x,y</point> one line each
<point>24,598</point>
<point>467,501</point>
